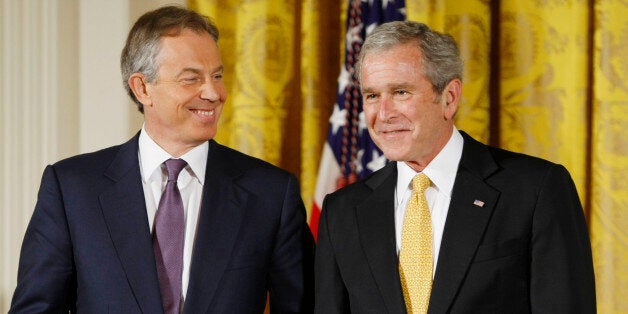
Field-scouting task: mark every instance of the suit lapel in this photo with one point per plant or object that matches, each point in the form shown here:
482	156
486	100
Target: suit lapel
471	206
124	210
376	227
222	212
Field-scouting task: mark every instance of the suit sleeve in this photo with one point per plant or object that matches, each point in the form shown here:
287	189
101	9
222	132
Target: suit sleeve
46	277
291	282
330	291
561	271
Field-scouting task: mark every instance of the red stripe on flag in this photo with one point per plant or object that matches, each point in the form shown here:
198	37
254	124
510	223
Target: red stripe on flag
316	214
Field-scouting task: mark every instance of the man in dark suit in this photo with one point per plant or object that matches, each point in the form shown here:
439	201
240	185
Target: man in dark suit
92	244
505	232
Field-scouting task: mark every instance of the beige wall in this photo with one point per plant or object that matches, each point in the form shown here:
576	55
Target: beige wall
60	95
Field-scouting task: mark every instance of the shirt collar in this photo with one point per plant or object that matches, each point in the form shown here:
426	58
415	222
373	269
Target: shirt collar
151	157
441	170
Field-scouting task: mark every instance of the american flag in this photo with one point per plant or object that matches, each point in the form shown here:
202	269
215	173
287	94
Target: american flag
349	153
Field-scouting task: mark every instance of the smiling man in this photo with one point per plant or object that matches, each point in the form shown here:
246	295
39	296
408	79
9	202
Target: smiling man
450	225
170	221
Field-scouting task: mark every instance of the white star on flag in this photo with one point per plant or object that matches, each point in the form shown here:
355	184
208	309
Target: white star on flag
377	162
338	119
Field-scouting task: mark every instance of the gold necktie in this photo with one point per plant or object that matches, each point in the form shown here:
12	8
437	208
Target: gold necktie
415	256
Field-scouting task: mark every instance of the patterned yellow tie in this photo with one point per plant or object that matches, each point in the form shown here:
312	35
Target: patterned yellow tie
415	256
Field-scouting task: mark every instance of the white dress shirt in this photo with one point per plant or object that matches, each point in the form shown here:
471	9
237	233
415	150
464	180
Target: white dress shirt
442	172
190	183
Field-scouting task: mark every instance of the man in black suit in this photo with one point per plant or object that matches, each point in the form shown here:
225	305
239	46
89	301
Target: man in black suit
92	246
508	234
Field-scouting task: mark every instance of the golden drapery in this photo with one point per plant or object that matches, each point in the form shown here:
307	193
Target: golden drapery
543	77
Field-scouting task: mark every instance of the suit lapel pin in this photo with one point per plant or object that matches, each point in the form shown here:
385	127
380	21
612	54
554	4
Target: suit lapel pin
478	203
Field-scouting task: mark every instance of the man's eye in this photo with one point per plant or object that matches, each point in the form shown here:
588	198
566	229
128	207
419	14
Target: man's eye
190	80
402	94
370	96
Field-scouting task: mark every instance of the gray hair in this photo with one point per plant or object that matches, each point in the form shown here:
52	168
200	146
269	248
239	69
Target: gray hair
142	45
440	56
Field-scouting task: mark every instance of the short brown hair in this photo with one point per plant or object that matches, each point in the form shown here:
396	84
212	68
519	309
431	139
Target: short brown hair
440	56
142	45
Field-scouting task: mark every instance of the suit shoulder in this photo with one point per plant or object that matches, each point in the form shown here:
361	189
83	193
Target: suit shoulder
500	164
356	188
97	160
475	152
508	159
517	168
247	163
357	192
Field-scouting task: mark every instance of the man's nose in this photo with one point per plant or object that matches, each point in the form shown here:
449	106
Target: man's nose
386	108
211	90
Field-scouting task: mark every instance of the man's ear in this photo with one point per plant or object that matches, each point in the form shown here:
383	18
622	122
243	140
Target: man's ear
452	94
137	83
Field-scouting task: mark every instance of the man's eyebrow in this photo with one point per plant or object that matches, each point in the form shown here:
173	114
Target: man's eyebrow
218	69
394	86
198	71
399	86
188	70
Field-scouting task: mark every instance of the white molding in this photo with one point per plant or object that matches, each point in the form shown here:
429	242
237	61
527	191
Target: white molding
29	129
104	107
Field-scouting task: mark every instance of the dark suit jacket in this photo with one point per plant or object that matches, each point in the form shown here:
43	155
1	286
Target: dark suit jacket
525	250
88	246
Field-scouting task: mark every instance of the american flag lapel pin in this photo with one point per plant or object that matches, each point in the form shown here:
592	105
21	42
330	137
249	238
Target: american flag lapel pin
478	203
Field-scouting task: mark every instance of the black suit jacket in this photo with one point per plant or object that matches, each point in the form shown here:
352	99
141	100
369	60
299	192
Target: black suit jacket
88	246
525	250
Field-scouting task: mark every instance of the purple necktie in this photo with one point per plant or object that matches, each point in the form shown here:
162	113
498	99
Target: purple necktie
168	239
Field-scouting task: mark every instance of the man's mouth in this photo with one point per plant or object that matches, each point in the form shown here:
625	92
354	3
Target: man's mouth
391	131
204	112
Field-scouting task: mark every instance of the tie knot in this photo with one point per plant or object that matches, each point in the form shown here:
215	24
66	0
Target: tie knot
420	182
174	167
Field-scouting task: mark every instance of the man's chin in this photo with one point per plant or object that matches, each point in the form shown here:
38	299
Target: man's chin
394	156
395	152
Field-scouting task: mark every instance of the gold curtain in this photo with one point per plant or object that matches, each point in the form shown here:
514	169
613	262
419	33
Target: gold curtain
542	77
608	154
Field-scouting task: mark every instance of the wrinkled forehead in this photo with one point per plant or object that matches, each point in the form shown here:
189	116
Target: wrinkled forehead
408	53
